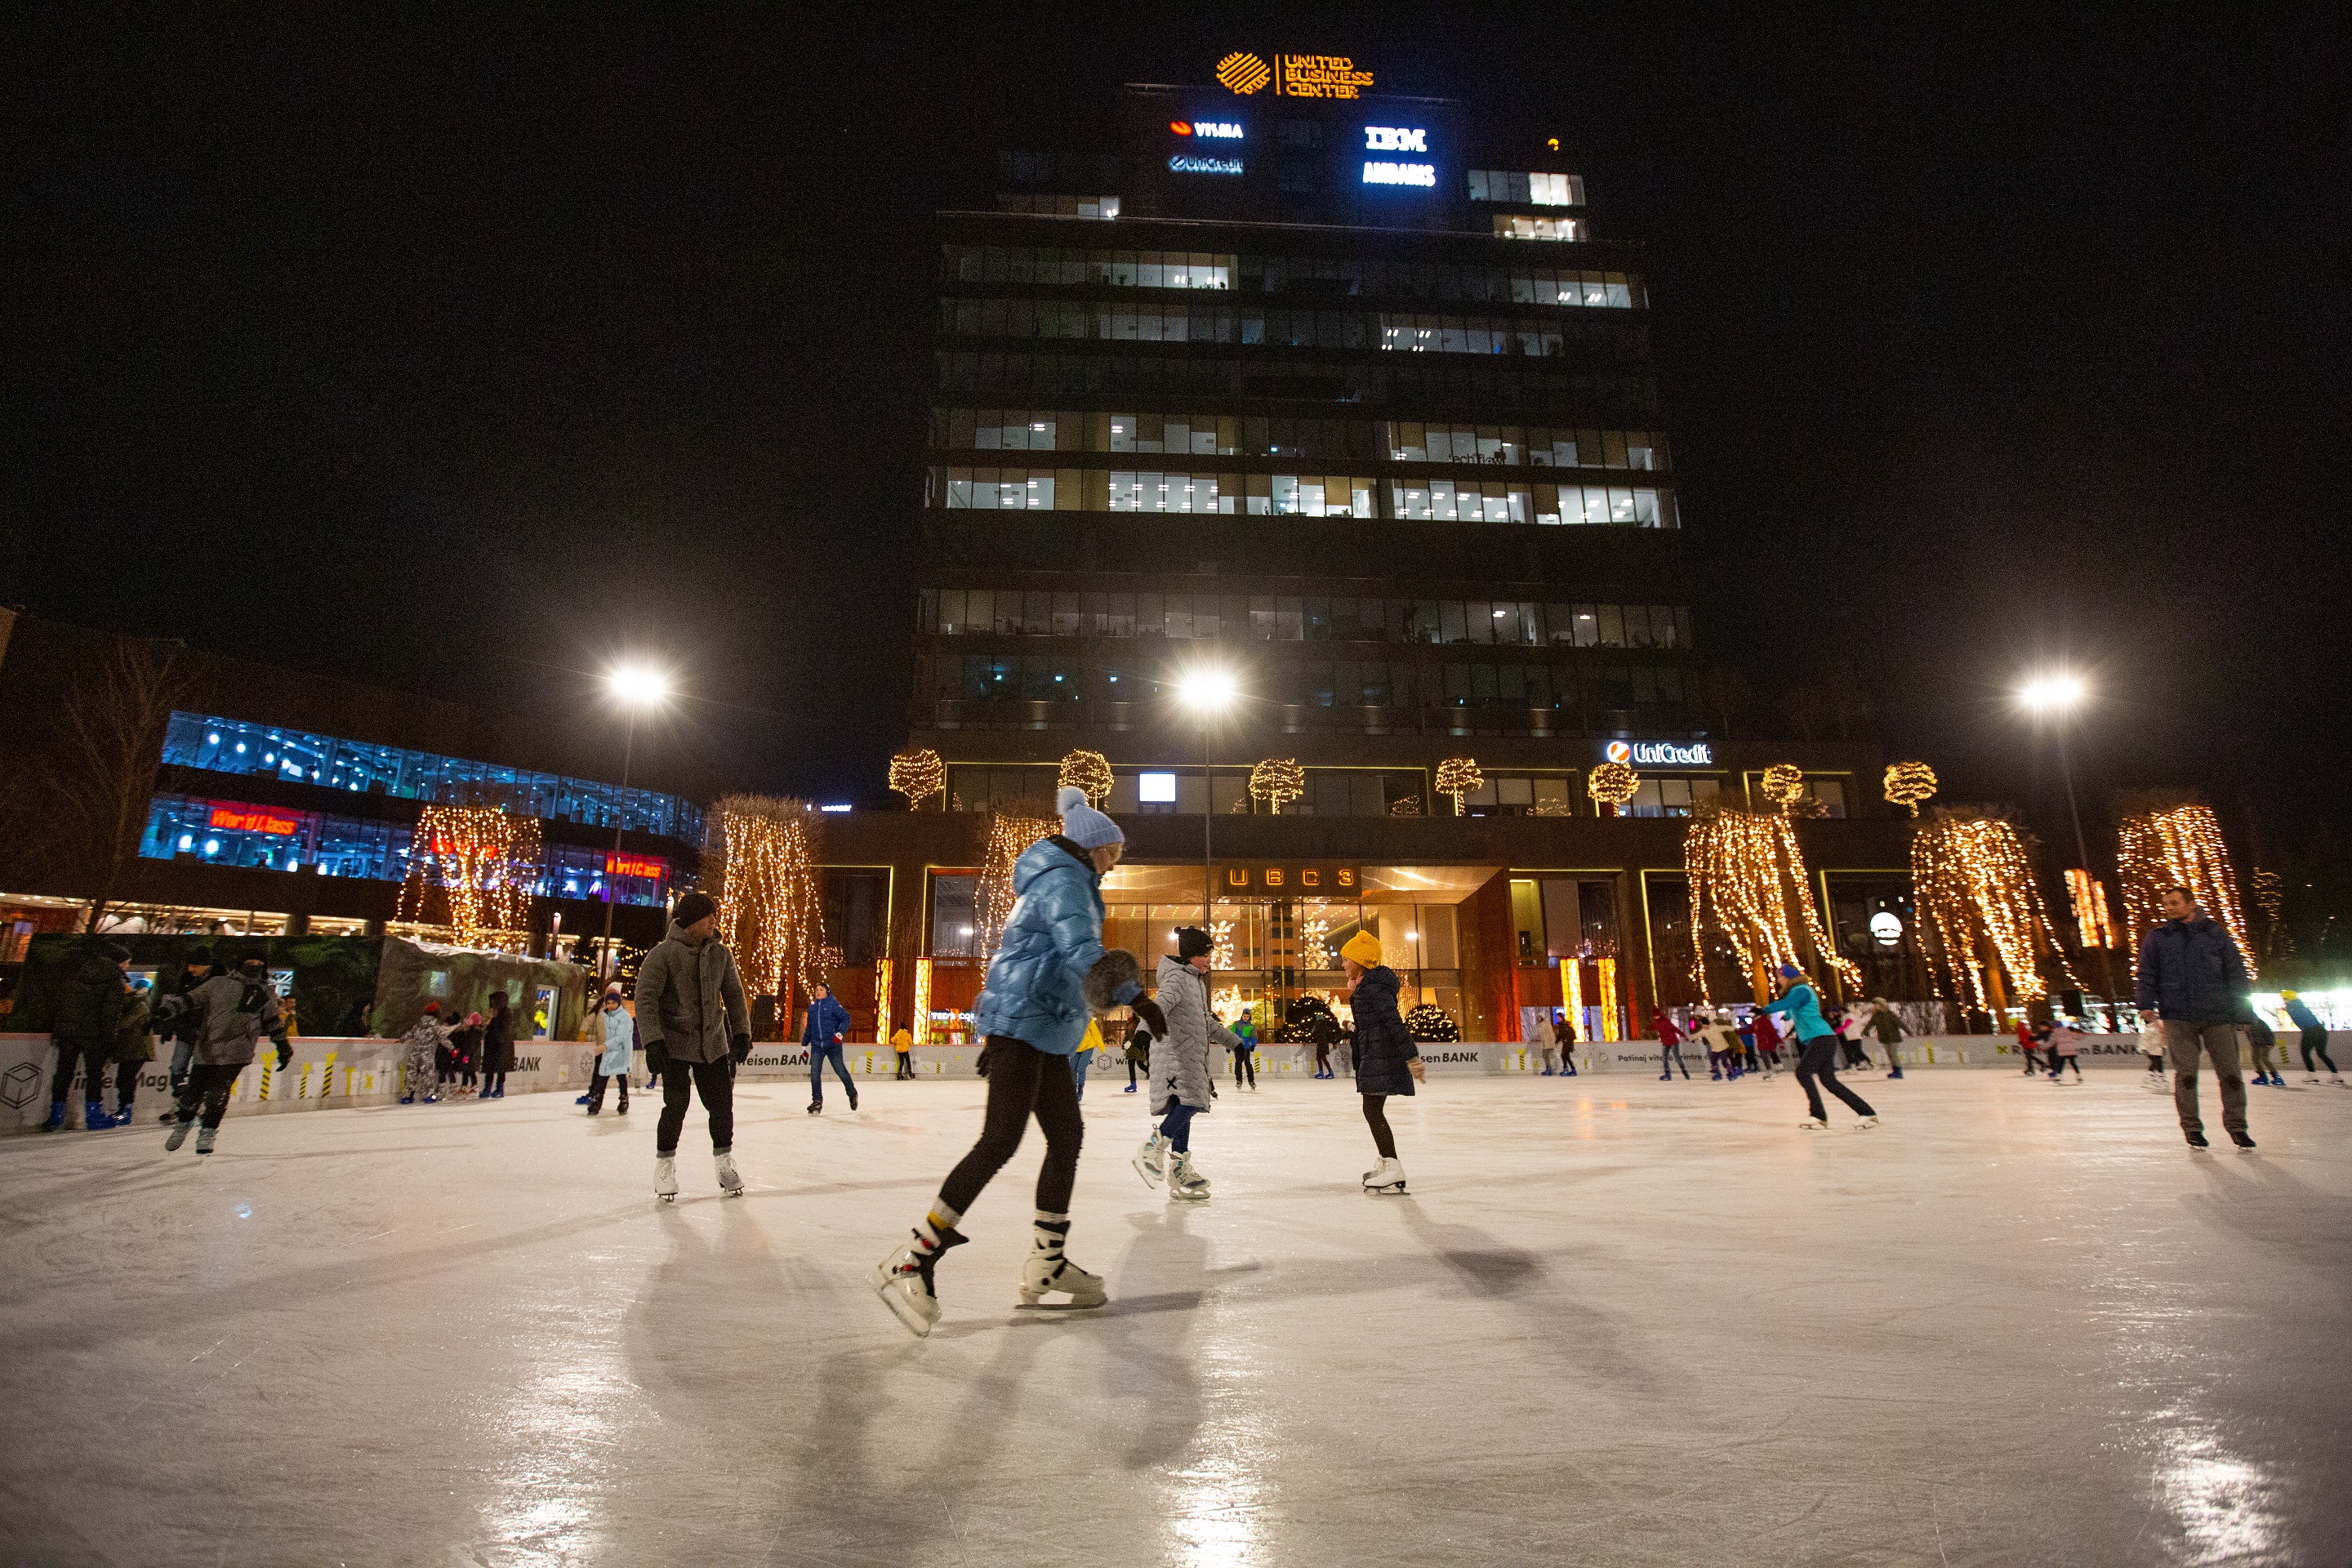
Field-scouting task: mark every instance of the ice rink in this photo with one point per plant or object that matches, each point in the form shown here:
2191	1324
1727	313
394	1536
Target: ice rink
1617	1321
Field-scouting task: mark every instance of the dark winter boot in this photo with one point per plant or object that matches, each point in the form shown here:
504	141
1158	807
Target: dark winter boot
94	1116
57	1116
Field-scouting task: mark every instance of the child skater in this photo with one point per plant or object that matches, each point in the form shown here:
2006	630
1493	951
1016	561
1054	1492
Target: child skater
1179	1066
1050	976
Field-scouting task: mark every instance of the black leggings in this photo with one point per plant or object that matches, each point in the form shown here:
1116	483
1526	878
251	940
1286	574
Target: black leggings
1245	1061
1376	1119
1322	1057
2316	1040
2058	1066
1819	1060
208	1085
493	1082
715	1081
1022	1081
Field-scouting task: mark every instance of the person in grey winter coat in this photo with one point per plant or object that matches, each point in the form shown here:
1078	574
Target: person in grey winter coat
83	1033
696	1029
1387	1061
1181	1075
236	1011
2193	975
1050	977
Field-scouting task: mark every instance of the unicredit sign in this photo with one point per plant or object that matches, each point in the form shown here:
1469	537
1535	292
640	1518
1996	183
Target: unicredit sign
1659	754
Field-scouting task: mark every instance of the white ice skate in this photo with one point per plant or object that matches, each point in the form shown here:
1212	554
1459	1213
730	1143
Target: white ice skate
1813	1124
666	1177
904	1282
1044	1274
731	1183
1866	1123
1387	1177
1186	1183
1150	1160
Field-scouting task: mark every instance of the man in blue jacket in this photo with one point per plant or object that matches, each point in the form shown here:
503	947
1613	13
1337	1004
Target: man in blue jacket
1050	974
2194	978
828	1026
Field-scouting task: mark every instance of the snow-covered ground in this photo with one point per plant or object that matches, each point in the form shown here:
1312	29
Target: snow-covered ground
1616	1321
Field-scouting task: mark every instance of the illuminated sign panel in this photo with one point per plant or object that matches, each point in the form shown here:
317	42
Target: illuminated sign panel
1397	138
636	866
1659	754
1294	76
1215	129
1386	173
254	819
1190	163
1394	139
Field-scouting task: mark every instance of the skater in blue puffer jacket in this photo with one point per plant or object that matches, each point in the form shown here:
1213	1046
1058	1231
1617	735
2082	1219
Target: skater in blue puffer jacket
1050	975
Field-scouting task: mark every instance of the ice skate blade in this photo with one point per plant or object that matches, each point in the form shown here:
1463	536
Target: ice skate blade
1185	1198
1393	1189
666	1197
1029	1303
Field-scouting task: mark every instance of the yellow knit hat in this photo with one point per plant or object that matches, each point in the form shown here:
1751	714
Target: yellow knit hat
1364	948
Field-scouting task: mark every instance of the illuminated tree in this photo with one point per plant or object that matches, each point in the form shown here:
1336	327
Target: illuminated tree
1458	776
1975	886
1277	780
1613	785
758	867
1746	870
1909	783
484	862
1089	771
1007	837
918	776
1784	785
2179	846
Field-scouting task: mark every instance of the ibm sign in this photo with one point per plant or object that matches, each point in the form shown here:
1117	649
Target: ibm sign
1659	754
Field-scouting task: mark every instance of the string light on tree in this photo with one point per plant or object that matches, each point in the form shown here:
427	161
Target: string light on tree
1977	900
759	866
2093	925
918	776
1276	781
1458	776
1613	785
1746	868
2179	846
484	861
1784	785
1008	836
1089	771
1910	783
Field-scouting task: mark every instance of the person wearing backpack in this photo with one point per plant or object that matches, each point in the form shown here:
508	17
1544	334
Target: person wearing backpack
236	1011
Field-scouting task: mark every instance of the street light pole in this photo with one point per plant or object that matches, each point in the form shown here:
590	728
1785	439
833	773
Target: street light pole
1208	827
620	825
2057	695
635	686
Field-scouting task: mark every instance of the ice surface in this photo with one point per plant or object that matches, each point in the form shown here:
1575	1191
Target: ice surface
1618	1321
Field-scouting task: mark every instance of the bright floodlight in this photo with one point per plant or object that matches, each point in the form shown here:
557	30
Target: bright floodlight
637	685
1206	690
2052	693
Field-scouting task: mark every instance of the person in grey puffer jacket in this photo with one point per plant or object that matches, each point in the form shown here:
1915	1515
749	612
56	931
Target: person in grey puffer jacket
696	1029
236	1010
1180	1066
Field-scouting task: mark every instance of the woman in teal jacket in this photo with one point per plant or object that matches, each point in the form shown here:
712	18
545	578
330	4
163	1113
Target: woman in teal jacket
1817	1050
1050	977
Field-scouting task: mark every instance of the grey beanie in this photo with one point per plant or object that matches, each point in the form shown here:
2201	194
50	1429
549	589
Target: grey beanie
1082	824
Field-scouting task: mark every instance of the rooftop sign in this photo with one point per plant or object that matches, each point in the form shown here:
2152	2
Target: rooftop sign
1294	76
1659	754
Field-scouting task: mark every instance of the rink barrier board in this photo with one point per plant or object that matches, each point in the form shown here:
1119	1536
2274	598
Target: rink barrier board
328	1073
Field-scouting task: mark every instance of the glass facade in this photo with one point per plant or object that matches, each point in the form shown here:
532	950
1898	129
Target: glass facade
270	751
276	838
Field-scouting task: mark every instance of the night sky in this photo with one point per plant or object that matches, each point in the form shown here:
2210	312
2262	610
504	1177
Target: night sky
454	354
